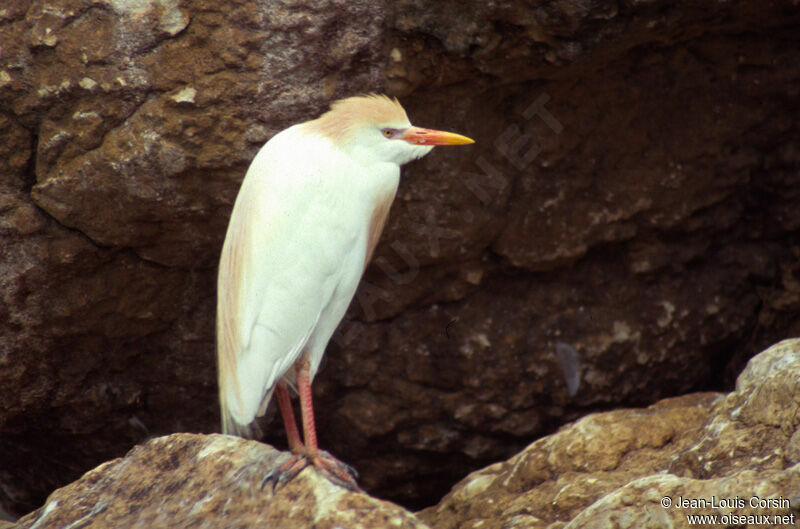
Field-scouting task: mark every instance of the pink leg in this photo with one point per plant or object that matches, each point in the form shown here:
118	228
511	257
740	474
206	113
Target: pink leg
332	468
306	404
289	424
297	461
308	453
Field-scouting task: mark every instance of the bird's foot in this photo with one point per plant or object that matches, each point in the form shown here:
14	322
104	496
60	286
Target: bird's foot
335	471
286	472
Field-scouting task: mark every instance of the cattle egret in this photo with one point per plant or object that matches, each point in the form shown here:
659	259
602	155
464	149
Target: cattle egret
305	223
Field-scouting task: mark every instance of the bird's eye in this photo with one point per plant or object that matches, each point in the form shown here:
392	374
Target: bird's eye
388	132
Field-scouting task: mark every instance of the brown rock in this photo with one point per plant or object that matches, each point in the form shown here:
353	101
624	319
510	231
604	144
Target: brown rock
633	193
617	468
186	480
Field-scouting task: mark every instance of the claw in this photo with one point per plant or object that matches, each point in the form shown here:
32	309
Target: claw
286	472
335	471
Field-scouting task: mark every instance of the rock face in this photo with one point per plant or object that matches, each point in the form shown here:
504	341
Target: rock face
644	468
189	480
632	193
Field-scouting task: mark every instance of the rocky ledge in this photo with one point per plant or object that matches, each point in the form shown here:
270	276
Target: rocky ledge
734	455
632	193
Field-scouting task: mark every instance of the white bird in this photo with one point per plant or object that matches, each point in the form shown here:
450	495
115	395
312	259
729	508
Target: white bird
305	223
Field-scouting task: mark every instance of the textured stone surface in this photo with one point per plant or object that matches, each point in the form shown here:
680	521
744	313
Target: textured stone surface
616	468
155	115
734	451
632	193
189	480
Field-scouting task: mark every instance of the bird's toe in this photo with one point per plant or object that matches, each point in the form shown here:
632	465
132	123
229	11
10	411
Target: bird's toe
336	471
286	471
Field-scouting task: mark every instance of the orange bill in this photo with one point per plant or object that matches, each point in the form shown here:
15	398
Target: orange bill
420	136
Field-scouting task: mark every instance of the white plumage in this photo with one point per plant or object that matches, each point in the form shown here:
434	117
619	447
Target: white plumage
298	224
305	222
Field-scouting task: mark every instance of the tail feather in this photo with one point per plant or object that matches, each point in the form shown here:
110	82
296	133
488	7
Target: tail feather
231	427
251	430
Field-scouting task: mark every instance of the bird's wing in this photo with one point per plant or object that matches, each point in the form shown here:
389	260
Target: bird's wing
288	235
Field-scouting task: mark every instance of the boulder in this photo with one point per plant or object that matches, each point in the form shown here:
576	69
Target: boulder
731	456
704	454
208	481
632	195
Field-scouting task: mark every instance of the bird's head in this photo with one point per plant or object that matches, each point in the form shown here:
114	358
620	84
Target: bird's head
374	128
